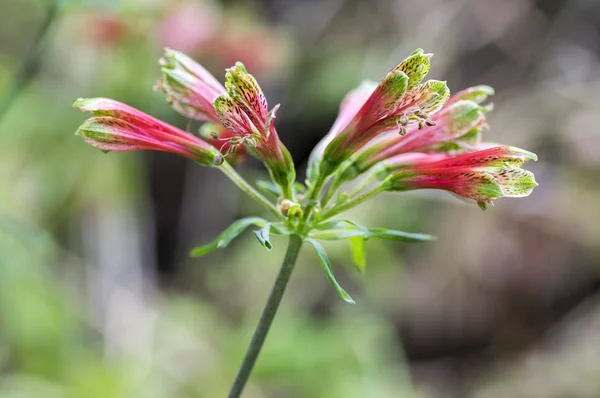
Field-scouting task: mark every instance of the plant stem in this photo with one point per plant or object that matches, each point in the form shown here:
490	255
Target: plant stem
313	197
266	319
247	188
351	203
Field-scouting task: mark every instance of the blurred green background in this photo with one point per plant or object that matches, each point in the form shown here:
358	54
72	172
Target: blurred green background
99	299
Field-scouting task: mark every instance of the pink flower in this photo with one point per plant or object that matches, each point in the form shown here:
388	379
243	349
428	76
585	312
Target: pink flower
190	88
244	111
119	127
482	176
229	144
349	107
398	101
457	128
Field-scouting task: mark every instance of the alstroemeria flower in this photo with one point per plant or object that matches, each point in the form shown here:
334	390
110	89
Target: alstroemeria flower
349	107
190	88
398	101
458	126
244	111
482	176
119	127
228	143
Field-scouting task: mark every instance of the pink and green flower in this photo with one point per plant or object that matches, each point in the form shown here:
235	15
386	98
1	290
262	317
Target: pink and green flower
482	176
399	101
244	111
118	127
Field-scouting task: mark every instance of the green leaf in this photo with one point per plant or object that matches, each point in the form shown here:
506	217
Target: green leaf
357	247
327	268
336	223
236	228
269	187
263	236
338	234
382	233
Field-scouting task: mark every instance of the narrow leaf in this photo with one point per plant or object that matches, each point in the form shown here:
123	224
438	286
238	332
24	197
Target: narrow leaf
359	255
337	223
263	236
328	271
338	234
384	233
227	236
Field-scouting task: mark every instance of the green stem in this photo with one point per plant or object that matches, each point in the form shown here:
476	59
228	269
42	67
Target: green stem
313	197
247	188
351	203
266	319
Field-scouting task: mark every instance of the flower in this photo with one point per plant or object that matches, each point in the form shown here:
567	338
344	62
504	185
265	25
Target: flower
398	101
190	88
458	126
244	111
349	107
482	176
119	127
228	143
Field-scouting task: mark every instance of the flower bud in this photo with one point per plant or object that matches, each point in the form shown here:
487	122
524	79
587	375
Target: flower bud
190	88
119	127
482	176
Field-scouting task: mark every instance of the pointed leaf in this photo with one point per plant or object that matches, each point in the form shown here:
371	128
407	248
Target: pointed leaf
327	268
357	247
384	233
227	236
337	223
339	234
263	236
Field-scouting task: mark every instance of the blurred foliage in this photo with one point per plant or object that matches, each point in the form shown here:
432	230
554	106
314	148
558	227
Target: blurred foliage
99	299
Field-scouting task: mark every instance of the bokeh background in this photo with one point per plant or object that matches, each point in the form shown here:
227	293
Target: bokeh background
98	297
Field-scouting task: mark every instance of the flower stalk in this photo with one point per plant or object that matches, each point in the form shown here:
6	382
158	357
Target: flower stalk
267	316
242	184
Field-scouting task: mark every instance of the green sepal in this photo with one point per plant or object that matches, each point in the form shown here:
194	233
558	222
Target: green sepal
263	236
236	228
328	271
359	255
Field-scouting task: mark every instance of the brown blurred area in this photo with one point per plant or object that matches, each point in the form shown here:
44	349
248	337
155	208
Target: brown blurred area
98	297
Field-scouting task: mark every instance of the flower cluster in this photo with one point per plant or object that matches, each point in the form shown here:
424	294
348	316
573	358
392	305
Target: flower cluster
401	134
